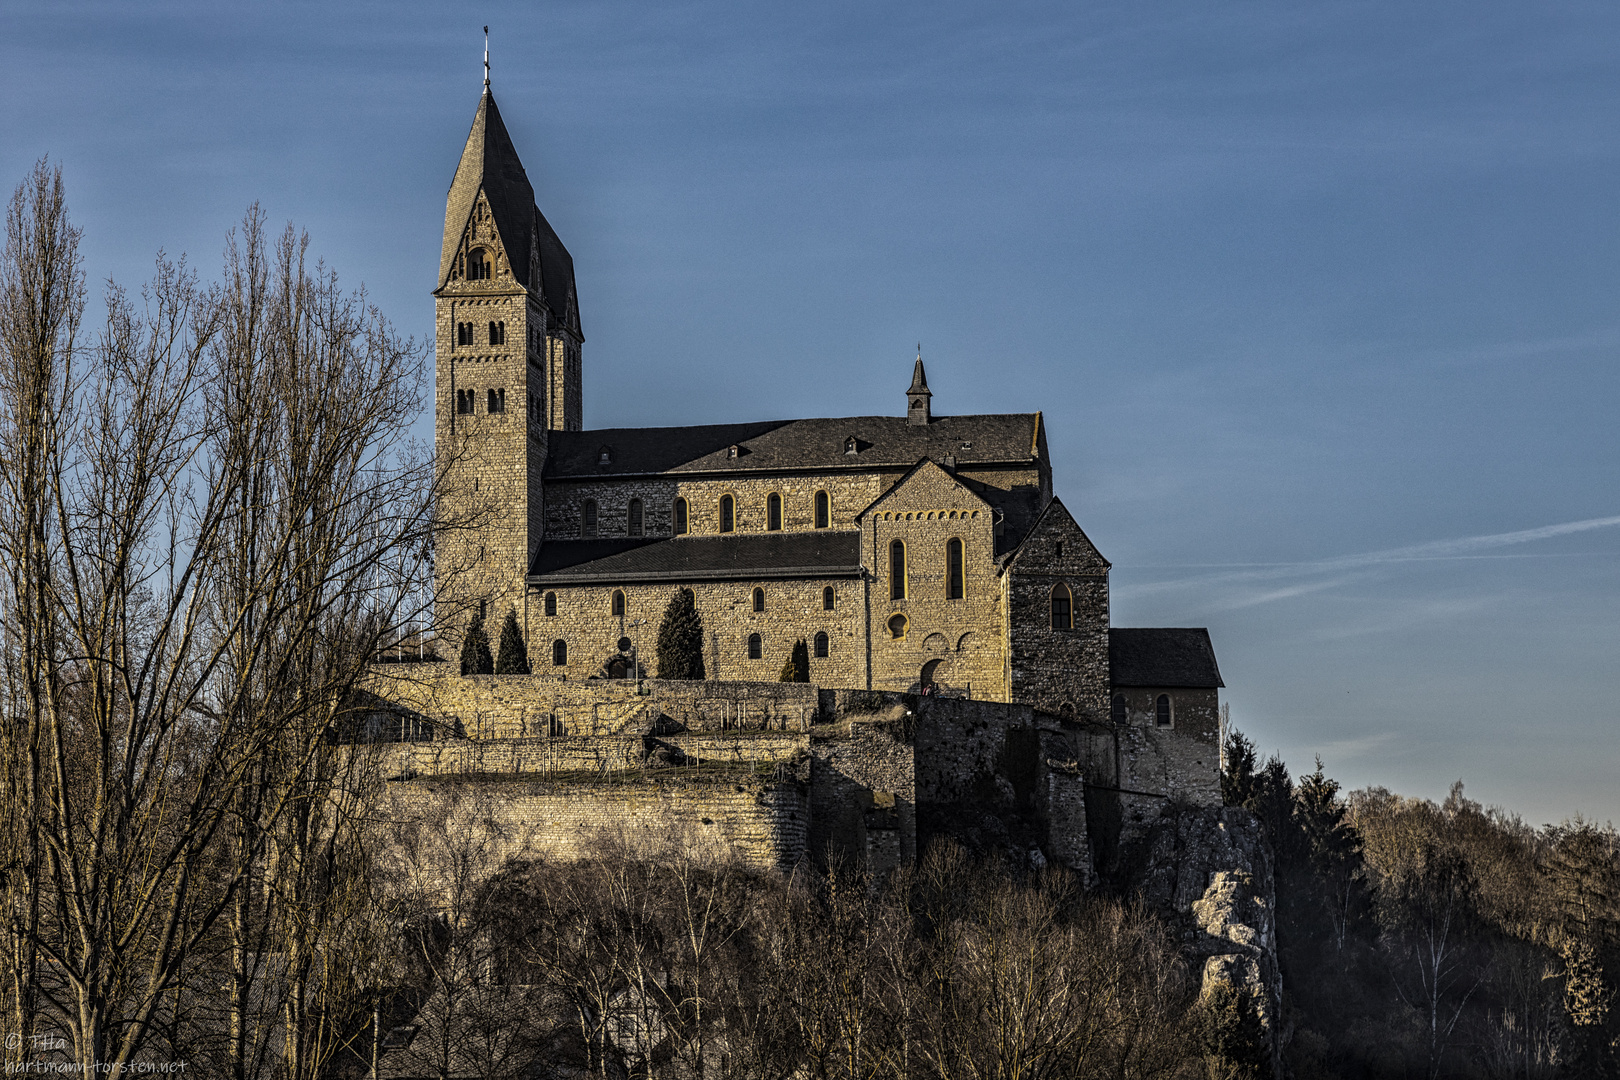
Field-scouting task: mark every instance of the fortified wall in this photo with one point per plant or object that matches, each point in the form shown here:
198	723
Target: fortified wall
777	772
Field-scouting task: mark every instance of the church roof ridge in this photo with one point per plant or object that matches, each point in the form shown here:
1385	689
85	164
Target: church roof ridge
813	443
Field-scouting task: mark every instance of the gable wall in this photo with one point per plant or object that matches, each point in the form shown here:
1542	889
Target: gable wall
961	634
1059	670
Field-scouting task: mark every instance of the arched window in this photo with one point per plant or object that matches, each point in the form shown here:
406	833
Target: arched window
559	652
588	518
1062	608
635	517
465	401
728	513
821	646
618	601
823	510
1117	713
497	333
756	648
691	598
828	598
680	517
953	569
478	265
1161	710
773	512
897	570
551	603
464	333
497	401
897	626
759	599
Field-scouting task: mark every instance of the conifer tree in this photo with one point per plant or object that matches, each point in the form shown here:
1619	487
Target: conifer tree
513	658
797	668
680	639
475	657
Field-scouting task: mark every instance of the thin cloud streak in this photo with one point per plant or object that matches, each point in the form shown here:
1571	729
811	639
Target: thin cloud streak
1459	547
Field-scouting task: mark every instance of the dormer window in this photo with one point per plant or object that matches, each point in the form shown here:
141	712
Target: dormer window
604	456
851	446
733	451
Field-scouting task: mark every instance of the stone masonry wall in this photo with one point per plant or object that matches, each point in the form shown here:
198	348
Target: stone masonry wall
863	798
849	493
793	611
518	706
956	641
760	819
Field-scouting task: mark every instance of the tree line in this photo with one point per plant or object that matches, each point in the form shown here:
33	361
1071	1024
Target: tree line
1436	940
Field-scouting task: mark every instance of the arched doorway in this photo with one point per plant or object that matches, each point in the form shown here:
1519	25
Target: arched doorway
926	681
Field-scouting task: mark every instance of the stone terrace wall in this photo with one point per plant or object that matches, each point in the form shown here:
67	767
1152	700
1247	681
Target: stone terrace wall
519	706
863	792
439	820
576	754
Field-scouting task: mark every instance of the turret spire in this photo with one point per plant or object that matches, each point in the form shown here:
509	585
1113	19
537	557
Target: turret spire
486	58
917	397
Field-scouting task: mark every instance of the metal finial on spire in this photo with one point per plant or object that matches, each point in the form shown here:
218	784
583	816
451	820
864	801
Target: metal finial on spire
486	58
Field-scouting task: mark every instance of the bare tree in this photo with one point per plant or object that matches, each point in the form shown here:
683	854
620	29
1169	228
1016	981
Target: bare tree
215	523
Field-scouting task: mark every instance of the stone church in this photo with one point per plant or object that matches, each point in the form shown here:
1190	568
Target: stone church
908	551
955	614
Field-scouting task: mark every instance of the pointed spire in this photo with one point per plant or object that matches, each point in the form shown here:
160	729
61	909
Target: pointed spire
917	397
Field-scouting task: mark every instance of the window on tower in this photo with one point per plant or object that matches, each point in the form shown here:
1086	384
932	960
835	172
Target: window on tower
497	333
497	401
464	401
464	333
953	569
478	265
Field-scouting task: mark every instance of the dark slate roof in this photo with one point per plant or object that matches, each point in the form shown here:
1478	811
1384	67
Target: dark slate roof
793	444
699	558
490	162
1162	656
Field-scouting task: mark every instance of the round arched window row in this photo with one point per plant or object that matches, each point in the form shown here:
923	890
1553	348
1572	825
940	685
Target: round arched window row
559	652
756	648
773	512
680	517
728	513
551	603
823	510
822	646
759	599
618	602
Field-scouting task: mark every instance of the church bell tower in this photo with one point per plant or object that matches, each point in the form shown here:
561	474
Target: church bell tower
507	372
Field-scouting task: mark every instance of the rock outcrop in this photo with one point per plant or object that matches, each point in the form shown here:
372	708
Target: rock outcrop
1208	872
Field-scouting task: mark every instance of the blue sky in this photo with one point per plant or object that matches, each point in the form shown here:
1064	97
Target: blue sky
1319	300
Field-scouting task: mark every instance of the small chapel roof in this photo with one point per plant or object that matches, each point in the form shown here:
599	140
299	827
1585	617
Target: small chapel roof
773	445
1168	656
823	553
